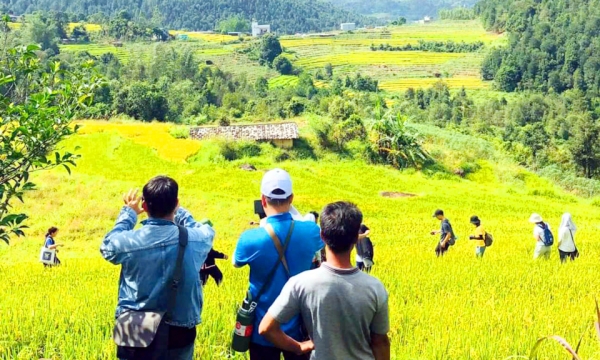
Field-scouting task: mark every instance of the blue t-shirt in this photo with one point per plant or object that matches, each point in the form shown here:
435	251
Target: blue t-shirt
49	242
256	249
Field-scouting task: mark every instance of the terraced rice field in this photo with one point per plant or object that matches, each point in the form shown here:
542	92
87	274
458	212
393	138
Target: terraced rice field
453	83
122	53
283	81
467	31
208	37
457	307
413	58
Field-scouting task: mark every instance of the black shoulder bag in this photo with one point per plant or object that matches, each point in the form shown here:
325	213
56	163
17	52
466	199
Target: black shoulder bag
144	335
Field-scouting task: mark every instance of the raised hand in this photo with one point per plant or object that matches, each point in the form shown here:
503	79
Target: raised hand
133	201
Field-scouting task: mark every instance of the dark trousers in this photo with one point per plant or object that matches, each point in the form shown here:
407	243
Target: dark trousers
259	352
56	263
441	250
564	256
213	272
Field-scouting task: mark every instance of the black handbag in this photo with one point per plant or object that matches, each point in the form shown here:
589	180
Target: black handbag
144	335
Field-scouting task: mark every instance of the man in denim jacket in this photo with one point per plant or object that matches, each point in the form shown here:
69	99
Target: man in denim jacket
148	257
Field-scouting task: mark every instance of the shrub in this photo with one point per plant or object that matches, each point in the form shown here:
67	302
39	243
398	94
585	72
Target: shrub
235	150
283	65
180	132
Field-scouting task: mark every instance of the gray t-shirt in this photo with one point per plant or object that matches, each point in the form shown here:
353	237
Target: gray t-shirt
340	309
446	229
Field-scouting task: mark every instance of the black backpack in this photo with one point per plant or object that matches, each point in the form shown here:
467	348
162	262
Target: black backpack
366	248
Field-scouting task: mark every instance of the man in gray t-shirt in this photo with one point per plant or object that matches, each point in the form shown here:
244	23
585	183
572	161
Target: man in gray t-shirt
345	311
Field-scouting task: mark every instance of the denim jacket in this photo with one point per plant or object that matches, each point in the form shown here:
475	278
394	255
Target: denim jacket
147	257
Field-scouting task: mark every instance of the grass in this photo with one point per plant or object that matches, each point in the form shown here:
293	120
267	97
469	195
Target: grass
457	307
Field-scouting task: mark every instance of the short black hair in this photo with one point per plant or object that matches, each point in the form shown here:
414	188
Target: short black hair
278	202
340	223
316	215
160	195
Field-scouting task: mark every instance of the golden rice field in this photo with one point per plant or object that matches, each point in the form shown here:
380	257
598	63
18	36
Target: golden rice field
390	58
88	27
453	83
283	81
204	36
467	31
457	307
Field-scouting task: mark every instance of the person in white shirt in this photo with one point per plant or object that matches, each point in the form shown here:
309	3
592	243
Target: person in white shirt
544	242
566	239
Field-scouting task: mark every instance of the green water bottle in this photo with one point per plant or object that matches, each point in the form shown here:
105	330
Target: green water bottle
206	222
244	325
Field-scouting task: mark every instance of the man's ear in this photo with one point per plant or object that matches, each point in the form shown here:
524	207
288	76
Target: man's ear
263	201
145	207
291	199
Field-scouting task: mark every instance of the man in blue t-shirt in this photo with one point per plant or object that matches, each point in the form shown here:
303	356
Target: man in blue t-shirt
256	249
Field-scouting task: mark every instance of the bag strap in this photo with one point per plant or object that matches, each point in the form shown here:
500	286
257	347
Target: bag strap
278	246
178	273
573	239
279	261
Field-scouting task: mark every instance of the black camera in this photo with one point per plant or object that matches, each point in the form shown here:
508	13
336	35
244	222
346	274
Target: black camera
259	210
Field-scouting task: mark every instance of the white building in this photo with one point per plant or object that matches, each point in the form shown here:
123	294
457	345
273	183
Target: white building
260	30
426	19
348	26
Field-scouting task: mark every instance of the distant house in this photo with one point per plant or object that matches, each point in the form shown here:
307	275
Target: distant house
280	134
14	18
260	30
348	26
426	19
183	37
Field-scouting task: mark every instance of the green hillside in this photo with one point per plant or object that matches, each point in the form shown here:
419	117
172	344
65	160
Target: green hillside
285	16
436	304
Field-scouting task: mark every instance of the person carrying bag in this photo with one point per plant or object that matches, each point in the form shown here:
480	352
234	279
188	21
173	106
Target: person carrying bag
144	335
246	314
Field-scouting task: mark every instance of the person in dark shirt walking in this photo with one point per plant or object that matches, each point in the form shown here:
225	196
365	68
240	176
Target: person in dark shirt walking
210	268
446	233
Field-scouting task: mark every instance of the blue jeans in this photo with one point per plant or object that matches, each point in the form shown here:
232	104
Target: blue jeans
479	251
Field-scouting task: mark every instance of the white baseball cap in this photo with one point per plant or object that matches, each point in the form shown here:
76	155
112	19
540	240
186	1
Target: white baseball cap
276	179
535	218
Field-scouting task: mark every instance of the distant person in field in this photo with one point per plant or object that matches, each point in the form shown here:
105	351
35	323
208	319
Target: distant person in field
319	255
566	239
50	243
543	237
148	258
210	268
364	250
345	311
447	237
256	248
478	236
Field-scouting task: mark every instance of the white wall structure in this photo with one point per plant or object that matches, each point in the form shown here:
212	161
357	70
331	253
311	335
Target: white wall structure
260	30
348	26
